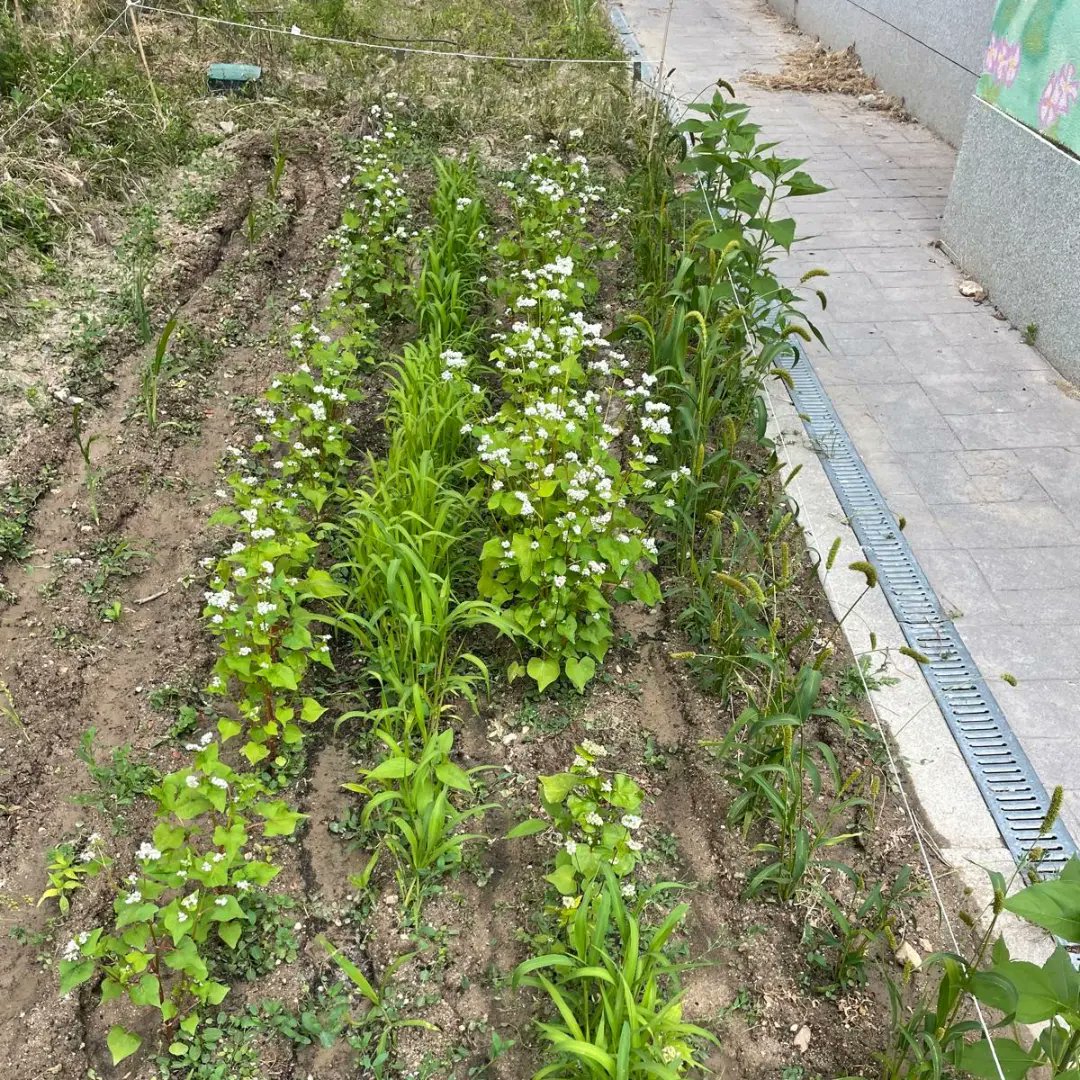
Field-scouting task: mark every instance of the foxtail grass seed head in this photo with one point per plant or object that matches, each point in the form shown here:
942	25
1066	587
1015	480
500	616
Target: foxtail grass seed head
868	571
966	918
834	550
918	657
1052	811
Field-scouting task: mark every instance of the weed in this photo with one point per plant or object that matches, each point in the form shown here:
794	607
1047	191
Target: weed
862	677
1030	334
269	941
91	475
114	558
838	945
614	1016
68	865
120	780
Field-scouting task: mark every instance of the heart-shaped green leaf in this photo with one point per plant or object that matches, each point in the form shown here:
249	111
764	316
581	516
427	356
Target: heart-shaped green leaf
544	671
122	1043
579	670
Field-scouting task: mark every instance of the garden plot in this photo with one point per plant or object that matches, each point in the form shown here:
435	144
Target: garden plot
465	700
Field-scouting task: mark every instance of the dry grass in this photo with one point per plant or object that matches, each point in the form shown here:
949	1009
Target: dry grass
812	68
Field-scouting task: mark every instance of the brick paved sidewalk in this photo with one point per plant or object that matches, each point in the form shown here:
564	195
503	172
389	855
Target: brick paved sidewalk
969	433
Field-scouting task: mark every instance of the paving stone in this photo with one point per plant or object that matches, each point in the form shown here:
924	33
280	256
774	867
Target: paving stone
1034	522
1029	567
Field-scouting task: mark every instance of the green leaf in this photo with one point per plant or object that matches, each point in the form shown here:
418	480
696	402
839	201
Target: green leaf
556	787
393	768
73	973
122	1043
355	975
579	670
1054	905
564	879
178	1049
544	671
229	932
782	231
279	819
1014	1060
185	957
255	752
453	776
228	728
321	585
147	991
530	827
311	710
281	676
646	588
226	912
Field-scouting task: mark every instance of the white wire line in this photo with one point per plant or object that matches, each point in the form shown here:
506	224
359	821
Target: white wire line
808	531
67	71
448	54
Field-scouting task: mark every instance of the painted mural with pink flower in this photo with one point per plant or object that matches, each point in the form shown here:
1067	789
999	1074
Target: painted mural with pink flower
1031	69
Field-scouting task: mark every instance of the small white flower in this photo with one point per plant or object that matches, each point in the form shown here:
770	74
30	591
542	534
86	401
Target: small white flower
570	846
221	901
631	821
219	782
594	818
147	851
133	897
192	781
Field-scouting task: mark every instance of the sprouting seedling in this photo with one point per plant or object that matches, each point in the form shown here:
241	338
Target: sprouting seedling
151	378
8	710
84	442
280	161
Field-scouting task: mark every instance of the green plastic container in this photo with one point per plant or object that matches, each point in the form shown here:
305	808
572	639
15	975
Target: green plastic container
233	78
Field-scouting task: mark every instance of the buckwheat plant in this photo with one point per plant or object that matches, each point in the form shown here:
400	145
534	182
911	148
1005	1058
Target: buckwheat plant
258	603
191	881
560	492
377	232
596	814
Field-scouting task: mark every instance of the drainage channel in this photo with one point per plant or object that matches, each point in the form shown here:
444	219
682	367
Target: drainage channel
1013	792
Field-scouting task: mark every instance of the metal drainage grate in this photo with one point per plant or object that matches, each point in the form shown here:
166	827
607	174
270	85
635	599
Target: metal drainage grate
1013	792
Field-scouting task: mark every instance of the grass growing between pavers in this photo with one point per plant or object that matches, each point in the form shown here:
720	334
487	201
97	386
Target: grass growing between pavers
498	725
